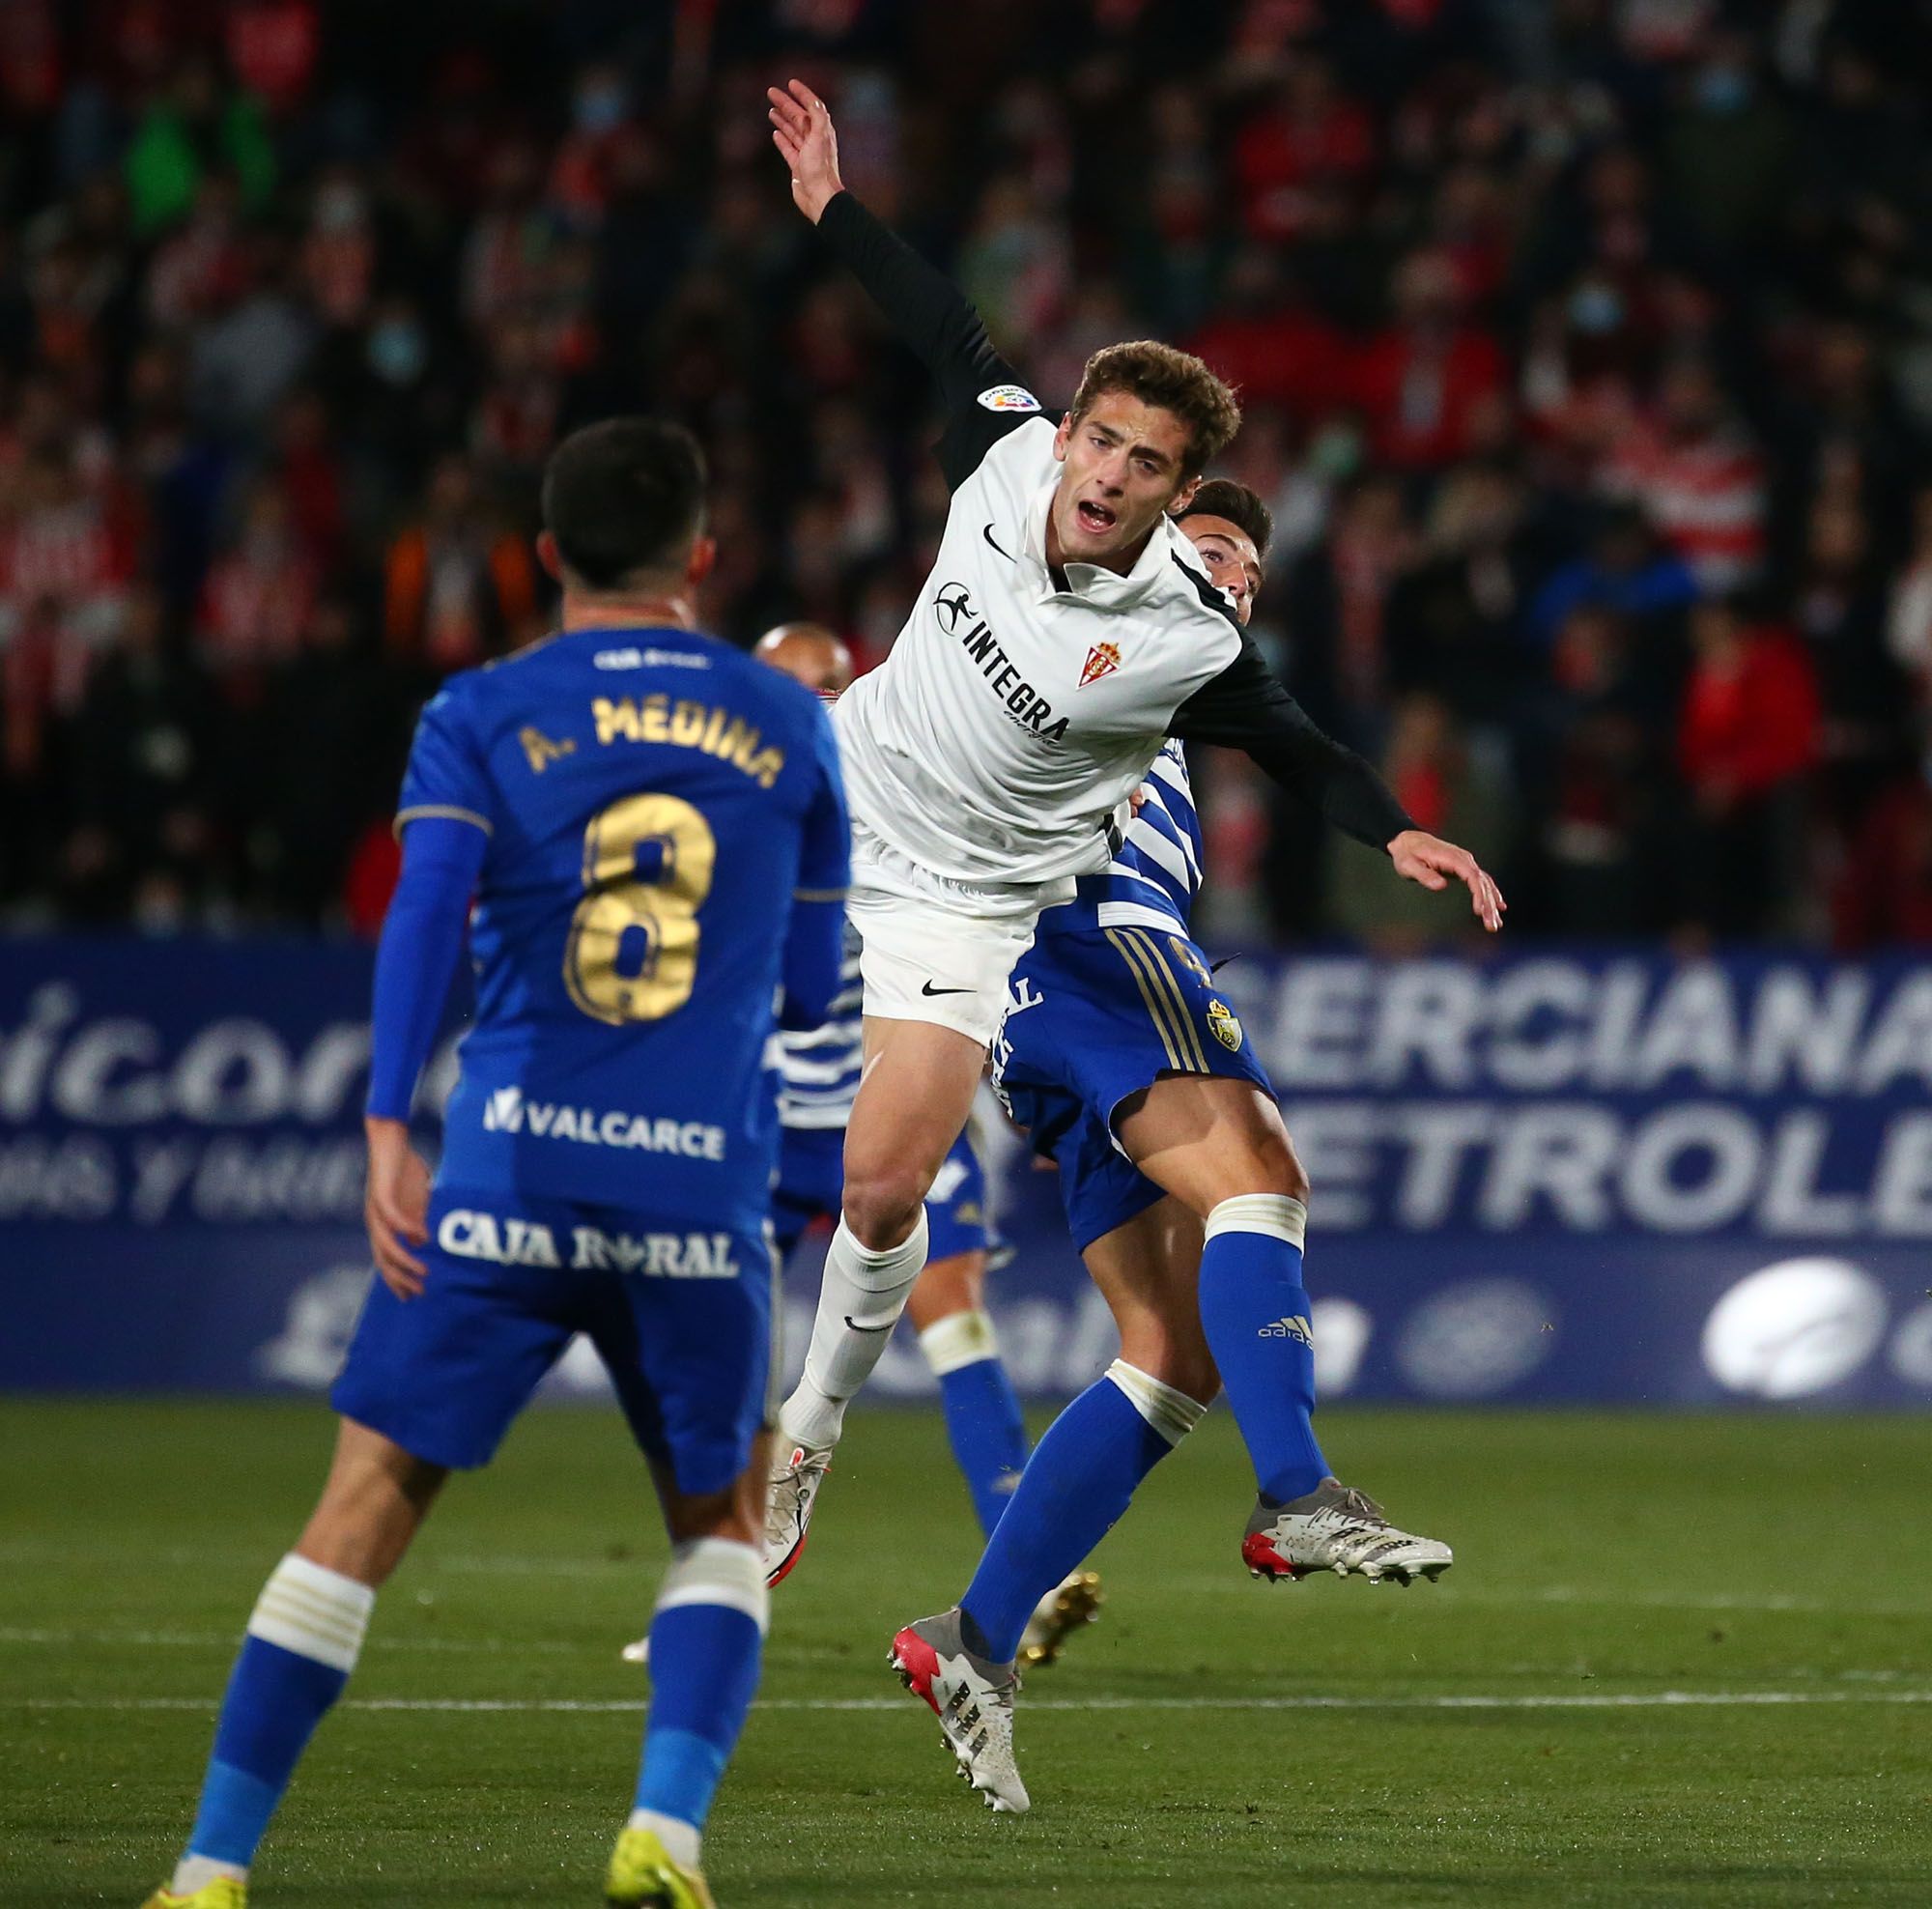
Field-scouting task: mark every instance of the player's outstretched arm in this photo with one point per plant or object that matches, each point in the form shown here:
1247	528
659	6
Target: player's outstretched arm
1427	859
1246	707
927	310
802	131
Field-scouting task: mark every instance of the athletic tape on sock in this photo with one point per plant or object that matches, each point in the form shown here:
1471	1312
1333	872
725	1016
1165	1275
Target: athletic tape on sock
960	1339
1171	1412
1278	1216
314	1611
718	1571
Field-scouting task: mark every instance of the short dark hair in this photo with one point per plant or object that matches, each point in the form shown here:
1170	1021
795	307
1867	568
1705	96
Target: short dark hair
1170	379
623	498
1243	508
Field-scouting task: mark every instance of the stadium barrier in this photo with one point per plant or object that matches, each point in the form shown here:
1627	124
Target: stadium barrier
1561	1176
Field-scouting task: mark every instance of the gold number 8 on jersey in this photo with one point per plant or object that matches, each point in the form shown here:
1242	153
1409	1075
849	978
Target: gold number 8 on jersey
633	949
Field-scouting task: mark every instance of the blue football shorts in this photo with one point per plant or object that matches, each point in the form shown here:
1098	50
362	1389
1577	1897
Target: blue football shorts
1095	1016
811	1185
680	1313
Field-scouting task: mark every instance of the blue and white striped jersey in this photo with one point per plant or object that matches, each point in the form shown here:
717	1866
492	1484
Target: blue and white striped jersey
1153	878
818	1073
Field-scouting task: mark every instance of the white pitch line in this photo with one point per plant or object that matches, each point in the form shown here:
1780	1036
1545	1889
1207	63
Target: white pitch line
1473	1593
600	1706
228	1639
1774	1602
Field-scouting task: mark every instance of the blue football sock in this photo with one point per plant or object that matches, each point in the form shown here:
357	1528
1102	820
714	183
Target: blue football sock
982	1411
707	1640
303	1642
1081	1476
1254	1309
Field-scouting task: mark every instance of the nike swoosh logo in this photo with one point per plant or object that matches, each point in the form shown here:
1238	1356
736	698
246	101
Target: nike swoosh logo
856	1328
928	988
987	533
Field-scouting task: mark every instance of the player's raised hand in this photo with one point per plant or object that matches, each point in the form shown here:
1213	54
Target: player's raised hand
802	132
1435	862
396	1207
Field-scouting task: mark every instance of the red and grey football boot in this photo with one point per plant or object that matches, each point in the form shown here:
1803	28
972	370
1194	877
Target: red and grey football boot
1337	1529
972	1699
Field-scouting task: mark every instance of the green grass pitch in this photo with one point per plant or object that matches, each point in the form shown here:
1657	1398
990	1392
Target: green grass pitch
1680	1660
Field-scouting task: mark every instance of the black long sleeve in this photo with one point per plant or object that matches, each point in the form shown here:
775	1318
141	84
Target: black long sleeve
1245	707
938	321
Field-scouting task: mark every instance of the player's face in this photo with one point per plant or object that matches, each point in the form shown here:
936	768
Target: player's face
1124	466
1231	557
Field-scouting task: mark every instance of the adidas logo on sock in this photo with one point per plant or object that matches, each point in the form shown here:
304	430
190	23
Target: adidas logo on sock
1295	1327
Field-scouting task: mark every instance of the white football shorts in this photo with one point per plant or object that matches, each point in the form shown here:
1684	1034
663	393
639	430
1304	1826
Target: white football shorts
932	949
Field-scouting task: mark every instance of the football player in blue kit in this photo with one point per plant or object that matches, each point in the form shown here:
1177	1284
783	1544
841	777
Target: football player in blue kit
1115	1001
653	828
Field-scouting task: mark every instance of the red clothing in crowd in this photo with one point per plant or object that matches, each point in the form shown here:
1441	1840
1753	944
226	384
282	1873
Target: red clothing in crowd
1290	358
1751	723
1422	391
66	566
1886	892
1705	494
1282	152
272	46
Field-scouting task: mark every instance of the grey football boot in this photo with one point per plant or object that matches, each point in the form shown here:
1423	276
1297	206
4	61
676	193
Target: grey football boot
973	1698
1337	1529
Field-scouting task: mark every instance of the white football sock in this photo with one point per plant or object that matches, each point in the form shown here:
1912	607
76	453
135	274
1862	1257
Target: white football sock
193	1872
860	1301
681	1839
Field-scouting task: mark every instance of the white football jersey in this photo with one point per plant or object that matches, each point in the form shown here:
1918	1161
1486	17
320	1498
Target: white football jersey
1013	716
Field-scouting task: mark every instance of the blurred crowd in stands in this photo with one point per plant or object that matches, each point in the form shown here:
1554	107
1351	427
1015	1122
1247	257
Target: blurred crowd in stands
1585	347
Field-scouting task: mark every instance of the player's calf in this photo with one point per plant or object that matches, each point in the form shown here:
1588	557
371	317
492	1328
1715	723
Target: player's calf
860	1300
302	1640
706	1644
984	1423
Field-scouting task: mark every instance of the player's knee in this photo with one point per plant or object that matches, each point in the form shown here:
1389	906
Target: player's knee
734	1516
1277	1168
1169	1408
1191	1370
1175	1355
375	1500
947	1289
882	1205
364	1541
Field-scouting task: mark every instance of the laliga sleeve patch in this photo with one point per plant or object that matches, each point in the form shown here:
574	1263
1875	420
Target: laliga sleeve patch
1008	397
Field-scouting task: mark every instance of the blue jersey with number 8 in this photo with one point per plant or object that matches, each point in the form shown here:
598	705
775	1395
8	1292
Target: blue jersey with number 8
653	800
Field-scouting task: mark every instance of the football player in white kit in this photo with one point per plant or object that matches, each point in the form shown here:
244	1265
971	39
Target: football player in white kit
1068	628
